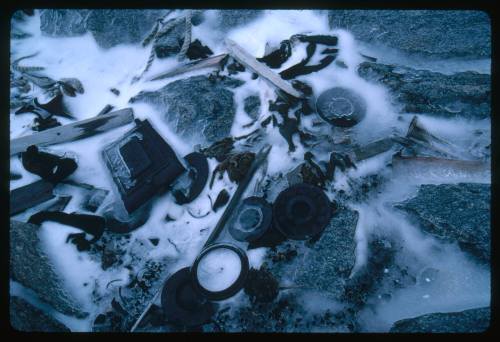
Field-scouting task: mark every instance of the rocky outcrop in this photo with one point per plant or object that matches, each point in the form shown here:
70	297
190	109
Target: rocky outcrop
442	34
108	27
27	318
30	266
455	213
464	94
196	107
468	321
328	264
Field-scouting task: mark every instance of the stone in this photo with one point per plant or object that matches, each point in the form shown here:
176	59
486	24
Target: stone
464	94
27	318
196	107
467	321
251	105
109	27
30	266
171	43
64	22
328	264
441	34
454	213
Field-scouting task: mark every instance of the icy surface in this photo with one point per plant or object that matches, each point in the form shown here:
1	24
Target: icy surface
462	283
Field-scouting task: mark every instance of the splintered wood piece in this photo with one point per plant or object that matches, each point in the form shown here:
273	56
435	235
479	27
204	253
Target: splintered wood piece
191	66
74	131
248	60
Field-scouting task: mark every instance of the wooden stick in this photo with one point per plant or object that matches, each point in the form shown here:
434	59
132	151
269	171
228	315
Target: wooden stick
248	60
74	131
204	63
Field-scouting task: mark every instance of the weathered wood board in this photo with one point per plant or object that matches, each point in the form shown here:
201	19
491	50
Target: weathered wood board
30	195
74	131
191	66
248	60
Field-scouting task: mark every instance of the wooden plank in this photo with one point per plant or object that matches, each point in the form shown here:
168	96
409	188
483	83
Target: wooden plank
373	149
74	131
249	61
196	65
30	195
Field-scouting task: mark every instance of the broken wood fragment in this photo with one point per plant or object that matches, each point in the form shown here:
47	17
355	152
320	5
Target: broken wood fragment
265	72
30	195
74	131
372	149
191	66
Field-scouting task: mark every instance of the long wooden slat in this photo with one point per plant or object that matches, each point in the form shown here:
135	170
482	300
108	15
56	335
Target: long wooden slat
196	65
74	131
248	60
30	195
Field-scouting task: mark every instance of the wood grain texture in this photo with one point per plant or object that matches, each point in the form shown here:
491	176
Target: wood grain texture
249	61
74	131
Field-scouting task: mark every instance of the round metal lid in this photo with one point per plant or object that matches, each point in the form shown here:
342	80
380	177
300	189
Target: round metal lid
341	107
182	304
235	286
253	219
302	211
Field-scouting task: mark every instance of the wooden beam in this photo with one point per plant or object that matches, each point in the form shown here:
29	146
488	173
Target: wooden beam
74	131
191	66
249	61
30	195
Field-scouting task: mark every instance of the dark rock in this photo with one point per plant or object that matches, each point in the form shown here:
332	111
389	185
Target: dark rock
468	321
64	23
171	43
427	32
261	285
196	106
109	27
30	266
197	50
464	94
229	19
455	213
26	317
328	264
251	105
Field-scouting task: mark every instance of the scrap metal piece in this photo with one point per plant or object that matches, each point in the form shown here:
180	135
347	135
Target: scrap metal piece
141	164
341	107
253	220
302	211
74	131
191	66
30	195
264	71
182	304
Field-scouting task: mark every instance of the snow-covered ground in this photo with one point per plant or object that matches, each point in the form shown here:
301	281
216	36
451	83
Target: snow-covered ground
464	283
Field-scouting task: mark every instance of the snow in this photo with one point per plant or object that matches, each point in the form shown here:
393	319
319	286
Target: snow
462	283
219	269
